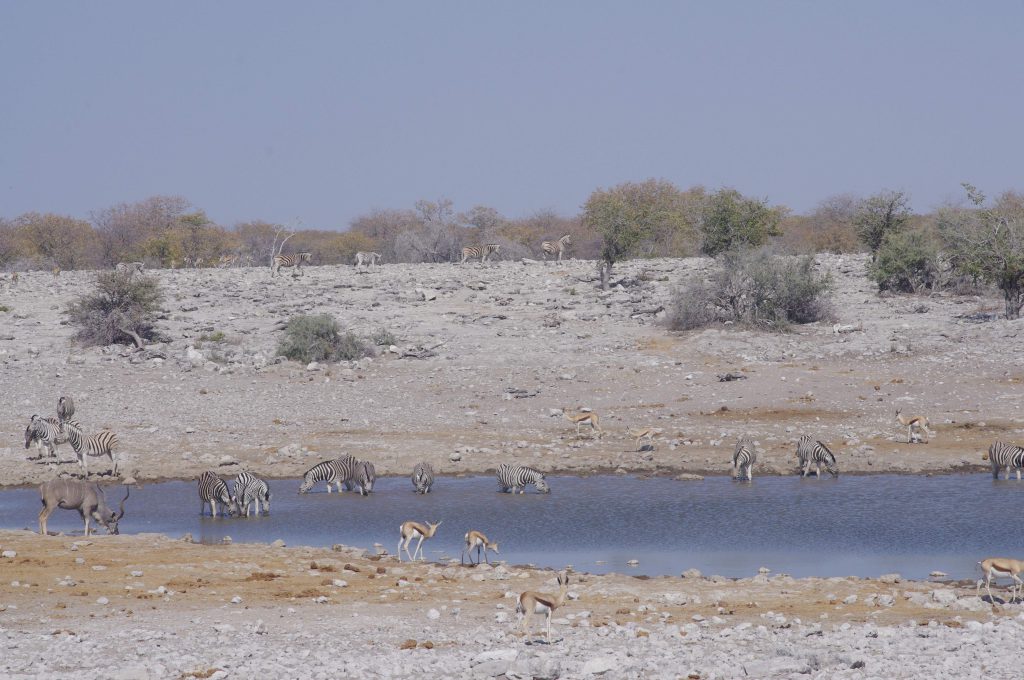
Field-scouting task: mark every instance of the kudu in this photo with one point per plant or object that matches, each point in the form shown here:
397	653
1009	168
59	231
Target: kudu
87	498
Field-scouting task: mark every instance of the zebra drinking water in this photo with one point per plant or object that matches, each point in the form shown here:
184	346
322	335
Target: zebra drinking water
337	471
1006	456
811	452
250	489
363	478
514	478
743	459
213	490
423	477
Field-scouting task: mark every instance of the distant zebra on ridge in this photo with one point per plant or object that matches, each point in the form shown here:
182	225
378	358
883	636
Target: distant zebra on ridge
368	259
250	489
213	490
809	452
129	268
290	261
482	252
556	247
743	459
515	477
1003	455
337	471
423	477
100	444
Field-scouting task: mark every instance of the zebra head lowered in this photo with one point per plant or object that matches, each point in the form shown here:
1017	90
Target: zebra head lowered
87	498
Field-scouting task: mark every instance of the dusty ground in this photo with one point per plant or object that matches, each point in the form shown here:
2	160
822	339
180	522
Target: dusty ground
546	331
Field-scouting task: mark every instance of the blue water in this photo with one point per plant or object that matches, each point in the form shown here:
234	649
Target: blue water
854	525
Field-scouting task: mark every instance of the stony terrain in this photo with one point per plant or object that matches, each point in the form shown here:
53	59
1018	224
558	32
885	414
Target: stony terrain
483	357
148	606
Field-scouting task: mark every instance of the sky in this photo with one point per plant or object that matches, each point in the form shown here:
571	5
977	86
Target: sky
313	113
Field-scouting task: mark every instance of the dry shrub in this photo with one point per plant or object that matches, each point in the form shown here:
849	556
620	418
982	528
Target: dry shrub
318	338
121	310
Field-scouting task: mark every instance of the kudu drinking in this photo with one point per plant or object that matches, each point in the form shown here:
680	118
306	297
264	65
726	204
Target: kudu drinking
86	497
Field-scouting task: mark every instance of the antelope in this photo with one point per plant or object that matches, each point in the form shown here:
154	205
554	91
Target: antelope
531	603
913	423
994	567
646	433
475	539
87	498
584	417
410	530
56	272
14	277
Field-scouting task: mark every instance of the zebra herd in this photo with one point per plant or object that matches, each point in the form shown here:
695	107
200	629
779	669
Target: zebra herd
48	433
809	452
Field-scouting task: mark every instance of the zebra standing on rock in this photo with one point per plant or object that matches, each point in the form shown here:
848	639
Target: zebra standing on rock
290	261
47	433
515	477
337	471
1003	455
213	490
556	247
423	477
363	478
809	452
482	252
100	444
743	459
251	489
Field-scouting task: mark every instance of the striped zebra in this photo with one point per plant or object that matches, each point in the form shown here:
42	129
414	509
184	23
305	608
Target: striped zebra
47	433
423	477
129	268
483	252
363	478
290	261
65	408
337	471
810	451
367	259
743	459
1003	455
213	490
556	247
248	490
515	477
100	444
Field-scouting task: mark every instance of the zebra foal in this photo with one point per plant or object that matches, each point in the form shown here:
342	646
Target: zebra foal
290	261
811	452
250	489
423	477
482	252
514	478
213	490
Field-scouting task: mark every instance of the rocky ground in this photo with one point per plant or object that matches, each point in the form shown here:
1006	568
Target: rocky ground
148	606
483	356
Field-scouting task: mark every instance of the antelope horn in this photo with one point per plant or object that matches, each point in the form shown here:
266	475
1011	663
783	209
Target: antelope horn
128	490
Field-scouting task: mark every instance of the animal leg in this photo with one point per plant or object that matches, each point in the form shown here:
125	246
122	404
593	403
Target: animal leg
988	586
419	549
44	514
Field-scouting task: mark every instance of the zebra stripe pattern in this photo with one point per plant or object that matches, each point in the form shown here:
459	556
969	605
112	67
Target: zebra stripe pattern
423	477
290	261
129	268
337	471
553	247
250	489
364	477
65	408
99	444
213	490
482	252
369	259
47	433
743	459
1007	456
812	452
514	478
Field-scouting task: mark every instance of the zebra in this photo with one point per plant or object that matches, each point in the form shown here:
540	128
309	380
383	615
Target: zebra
483	252
809	452
368	259
1002	455
187	263
553	247
290	261
100	444
515	477
423	477
362	478
227	261
65	408
213	490
337	471
129	268
250	489
743	459
47	433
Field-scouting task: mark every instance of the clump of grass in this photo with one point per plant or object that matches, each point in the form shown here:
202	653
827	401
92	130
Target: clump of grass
216	336
310	337
4	308
383	337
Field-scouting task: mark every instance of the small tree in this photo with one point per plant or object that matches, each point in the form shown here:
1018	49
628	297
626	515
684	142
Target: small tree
906	262
122	310
626	214
881	214
988	243
731	221
318	338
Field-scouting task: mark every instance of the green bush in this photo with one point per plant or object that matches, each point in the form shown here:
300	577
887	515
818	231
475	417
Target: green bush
906	262
121	310
216	336
383	338
318	338
755	288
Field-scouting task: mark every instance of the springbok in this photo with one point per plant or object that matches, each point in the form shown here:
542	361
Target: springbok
410	530
584	417
475	539
646	433
913	423
531	603
994	567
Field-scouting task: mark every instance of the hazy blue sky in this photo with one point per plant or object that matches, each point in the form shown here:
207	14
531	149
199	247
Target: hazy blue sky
324	111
